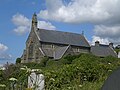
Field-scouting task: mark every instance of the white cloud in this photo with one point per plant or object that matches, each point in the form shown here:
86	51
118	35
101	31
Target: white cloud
79	11
104	14
107	31
101	40
3	54
110	33
3	47
23	24
46	25
21	30
20	20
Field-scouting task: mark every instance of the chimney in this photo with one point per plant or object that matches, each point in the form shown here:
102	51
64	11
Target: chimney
97	43
111	45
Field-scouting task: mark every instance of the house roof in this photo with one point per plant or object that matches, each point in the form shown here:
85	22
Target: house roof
59	52
48	52
103	50
53	36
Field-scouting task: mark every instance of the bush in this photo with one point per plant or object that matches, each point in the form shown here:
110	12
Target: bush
69	59
43	62
18	60
80	72
30	65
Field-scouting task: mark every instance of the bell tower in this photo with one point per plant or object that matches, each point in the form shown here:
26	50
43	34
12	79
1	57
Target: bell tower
34	20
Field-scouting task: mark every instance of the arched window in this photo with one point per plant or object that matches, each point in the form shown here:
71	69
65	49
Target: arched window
30	50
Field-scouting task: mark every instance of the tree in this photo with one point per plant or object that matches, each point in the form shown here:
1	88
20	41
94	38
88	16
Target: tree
18	60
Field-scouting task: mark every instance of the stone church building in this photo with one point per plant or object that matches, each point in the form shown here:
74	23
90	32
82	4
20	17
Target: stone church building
56	44
53	44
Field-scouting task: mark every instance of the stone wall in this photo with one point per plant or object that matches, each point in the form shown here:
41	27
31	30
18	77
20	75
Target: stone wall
73	50
34	47
32	54
76	50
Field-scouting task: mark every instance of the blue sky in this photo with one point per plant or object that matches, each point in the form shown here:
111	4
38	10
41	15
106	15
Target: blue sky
8	37
96	18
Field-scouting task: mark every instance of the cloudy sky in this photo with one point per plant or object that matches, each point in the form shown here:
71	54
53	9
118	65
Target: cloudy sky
99	19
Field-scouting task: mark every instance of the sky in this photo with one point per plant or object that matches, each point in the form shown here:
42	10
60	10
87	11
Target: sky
99	19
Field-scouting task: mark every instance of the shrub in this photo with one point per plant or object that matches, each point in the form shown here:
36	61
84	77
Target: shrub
18	60
69	59
80	72
43	62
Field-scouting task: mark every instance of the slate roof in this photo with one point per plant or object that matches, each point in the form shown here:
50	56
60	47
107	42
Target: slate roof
60	37
60	52
57	54
103	50
48	52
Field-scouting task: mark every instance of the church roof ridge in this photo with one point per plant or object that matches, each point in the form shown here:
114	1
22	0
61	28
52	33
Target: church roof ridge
61	37
60	31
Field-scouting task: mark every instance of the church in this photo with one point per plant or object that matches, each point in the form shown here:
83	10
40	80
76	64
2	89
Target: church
55	44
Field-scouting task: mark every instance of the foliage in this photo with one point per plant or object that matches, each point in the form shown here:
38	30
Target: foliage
43	62
69	58
30	65
81	71
117	50
78	72
18	60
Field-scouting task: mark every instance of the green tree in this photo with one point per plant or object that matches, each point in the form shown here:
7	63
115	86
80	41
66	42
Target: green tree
18	60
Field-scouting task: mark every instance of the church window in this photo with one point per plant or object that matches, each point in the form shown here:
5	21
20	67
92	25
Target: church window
31	50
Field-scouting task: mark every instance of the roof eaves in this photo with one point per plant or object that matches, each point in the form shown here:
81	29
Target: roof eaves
113	51
42	51
86	41
35	30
